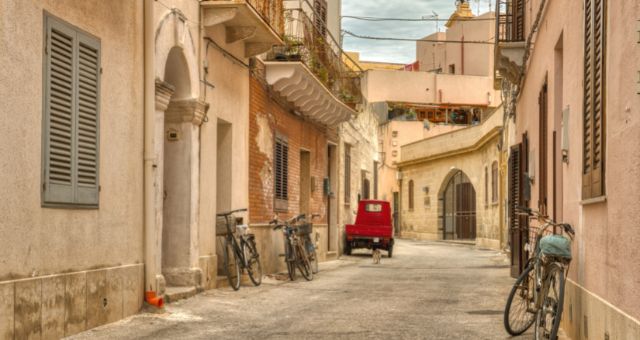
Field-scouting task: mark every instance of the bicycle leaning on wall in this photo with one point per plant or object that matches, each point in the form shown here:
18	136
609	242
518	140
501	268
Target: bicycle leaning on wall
240	252
295	252
538	294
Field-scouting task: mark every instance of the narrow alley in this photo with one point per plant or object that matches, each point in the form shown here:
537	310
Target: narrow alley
428	290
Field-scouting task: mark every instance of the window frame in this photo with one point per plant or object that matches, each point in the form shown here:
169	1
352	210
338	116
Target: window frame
79	195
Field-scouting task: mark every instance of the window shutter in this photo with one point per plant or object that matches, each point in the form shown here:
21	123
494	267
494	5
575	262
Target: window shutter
594	101
71	116
87	138
59	111
281	176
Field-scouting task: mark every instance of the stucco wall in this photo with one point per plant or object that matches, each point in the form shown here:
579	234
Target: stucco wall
40	241
427	87
605	247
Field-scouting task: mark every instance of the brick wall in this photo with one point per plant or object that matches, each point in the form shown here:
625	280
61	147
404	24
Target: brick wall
268	114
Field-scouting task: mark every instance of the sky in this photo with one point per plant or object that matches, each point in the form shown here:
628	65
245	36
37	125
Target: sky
394	51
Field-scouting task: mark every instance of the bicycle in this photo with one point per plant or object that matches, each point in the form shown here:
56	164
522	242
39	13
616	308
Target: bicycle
305	231
539	290
295	252
245	254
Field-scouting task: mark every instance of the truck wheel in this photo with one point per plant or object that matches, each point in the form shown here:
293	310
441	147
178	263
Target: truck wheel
347	249
390	251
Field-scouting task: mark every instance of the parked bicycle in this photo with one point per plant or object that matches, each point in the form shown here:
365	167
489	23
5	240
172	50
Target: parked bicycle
240	252
295	251
538	294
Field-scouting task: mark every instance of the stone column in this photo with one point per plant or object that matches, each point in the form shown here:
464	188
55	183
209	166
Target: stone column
164	91
182	177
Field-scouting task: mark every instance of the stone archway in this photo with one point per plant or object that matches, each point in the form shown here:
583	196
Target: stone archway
457	208
179	115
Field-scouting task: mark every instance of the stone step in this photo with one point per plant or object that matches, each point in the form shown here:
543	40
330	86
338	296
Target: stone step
173	294
331	255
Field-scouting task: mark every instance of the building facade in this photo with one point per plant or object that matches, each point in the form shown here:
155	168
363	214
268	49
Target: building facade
575	106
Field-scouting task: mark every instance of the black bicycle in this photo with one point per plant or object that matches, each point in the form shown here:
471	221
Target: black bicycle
240	252
295	252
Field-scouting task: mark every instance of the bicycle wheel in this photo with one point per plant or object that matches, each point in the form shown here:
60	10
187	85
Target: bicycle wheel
302	262
290	259
549	315
517	317
254	268
231	264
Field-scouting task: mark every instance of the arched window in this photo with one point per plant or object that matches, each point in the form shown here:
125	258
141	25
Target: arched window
486	186
411	195
494	182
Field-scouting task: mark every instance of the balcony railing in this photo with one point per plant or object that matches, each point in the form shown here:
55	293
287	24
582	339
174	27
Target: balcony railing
319	51
510	20
271	11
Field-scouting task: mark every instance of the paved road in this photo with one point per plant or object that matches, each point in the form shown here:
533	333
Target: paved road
428	290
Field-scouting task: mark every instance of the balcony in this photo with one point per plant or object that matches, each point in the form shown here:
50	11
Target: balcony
312	59
510	42
257	23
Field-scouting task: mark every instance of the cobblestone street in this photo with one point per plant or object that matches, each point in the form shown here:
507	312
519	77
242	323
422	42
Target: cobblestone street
428	290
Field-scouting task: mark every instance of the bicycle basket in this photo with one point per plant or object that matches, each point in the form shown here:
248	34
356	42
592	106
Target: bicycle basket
555	245
305	229
221	225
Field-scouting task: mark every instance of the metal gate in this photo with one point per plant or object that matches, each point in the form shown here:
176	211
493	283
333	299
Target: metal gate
459	209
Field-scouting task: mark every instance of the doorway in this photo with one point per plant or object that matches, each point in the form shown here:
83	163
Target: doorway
330	189
459	208
224	171
305	182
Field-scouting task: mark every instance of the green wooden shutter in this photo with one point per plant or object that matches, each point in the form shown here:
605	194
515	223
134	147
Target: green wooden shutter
87	137
58	116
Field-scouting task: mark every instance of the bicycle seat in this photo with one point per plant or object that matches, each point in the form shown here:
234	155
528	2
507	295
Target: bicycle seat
227	213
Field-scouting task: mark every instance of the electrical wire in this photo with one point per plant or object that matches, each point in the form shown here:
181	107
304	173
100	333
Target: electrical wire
366	18
488	42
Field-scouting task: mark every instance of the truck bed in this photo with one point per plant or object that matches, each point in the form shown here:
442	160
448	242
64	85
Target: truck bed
362	230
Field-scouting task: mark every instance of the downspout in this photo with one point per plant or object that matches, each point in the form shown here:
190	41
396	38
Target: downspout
152	293
462	55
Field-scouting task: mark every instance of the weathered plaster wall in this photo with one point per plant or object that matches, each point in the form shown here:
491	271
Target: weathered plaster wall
605	247
99	250
266	117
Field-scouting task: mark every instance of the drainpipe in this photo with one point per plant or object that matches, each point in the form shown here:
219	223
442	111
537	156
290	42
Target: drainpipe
150	231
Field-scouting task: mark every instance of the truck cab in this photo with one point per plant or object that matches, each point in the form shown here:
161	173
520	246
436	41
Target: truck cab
373	228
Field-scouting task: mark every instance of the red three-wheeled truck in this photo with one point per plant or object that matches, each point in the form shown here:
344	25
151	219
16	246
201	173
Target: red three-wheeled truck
373	228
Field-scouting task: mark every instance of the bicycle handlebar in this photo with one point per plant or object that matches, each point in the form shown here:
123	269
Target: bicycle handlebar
533	213
227	213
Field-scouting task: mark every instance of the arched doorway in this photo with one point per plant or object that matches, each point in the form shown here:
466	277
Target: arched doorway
458	208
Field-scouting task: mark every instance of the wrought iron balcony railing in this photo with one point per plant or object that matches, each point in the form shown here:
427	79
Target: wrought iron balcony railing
321	53
510	20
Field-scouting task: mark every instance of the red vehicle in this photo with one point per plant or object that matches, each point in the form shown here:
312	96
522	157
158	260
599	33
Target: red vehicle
373	228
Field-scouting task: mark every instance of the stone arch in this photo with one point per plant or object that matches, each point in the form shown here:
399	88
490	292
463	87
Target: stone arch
457	206
173	36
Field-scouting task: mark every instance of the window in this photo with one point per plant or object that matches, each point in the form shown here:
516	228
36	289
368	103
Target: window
594	116
320	15
366	185
394	134
486	186
411	195
494	182
281	173
373	207
543	147
347	173
452	69
375	180
71	109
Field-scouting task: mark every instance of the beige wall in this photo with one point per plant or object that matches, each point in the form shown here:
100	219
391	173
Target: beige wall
100	251
426	87
432	55
431	162
605	248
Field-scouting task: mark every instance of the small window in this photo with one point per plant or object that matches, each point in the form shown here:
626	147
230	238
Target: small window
494	182
281	173
71	131
347	173
372	207
452	69
411	195
394	134
486	186
394	153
